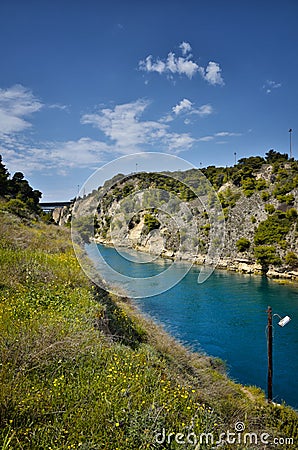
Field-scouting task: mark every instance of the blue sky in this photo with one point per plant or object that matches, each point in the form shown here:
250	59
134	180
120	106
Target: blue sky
85	82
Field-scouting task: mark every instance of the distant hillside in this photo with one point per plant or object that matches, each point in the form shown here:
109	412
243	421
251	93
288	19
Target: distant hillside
259	200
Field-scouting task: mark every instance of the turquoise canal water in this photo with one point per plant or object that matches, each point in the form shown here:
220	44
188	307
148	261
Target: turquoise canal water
224	317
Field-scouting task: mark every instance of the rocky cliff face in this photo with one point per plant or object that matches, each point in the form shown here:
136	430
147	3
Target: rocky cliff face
61	216
173	216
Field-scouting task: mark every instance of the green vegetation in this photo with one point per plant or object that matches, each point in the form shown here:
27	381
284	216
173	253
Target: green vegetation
242	244
82	369
291	259
269	208
229	197
265	195
151	222
266	255
16	195
253	219
254	186
272	230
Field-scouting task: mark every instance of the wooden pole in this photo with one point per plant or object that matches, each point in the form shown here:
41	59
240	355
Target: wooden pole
269	348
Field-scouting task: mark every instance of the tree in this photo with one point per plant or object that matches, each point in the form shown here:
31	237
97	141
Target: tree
4	175
272	156
17	188
255	162
272	230
265	256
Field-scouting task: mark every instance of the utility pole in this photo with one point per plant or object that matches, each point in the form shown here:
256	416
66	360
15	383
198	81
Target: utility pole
235	154
290	131
269	351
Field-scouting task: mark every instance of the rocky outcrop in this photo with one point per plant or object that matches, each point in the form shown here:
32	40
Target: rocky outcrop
172	230
61	216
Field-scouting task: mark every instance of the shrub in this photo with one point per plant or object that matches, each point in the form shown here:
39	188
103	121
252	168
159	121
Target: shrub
265	195
228	198
17	207
288	199
248	185
242	244
269	208
291	259
261	184
151	222
292	214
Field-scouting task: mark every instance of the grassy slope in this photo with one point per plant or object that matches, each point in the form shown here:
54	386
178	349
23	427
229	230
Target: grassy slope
81	369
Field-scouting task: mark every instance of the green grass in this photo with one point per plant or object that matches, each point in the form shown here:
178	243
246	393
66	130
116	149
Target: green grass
82	369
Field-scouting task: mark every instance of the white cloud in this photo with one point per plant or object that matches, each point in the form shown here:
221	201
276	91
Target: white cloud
185	48
42	157
166	119
186	67
147	65
184	105
178	142
269	85
213	74
202	111
129	133
122	125
206	138
16	104
124	132
217	135
226	133
182	66
80	153
59	106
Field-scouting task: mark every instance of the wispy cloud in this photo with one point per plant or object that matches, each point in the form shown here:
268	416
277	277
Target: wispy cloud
59	106
269	85
44	156
226	133
124	127
17	103
206	138
127	132
182	65
202	111
220	134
